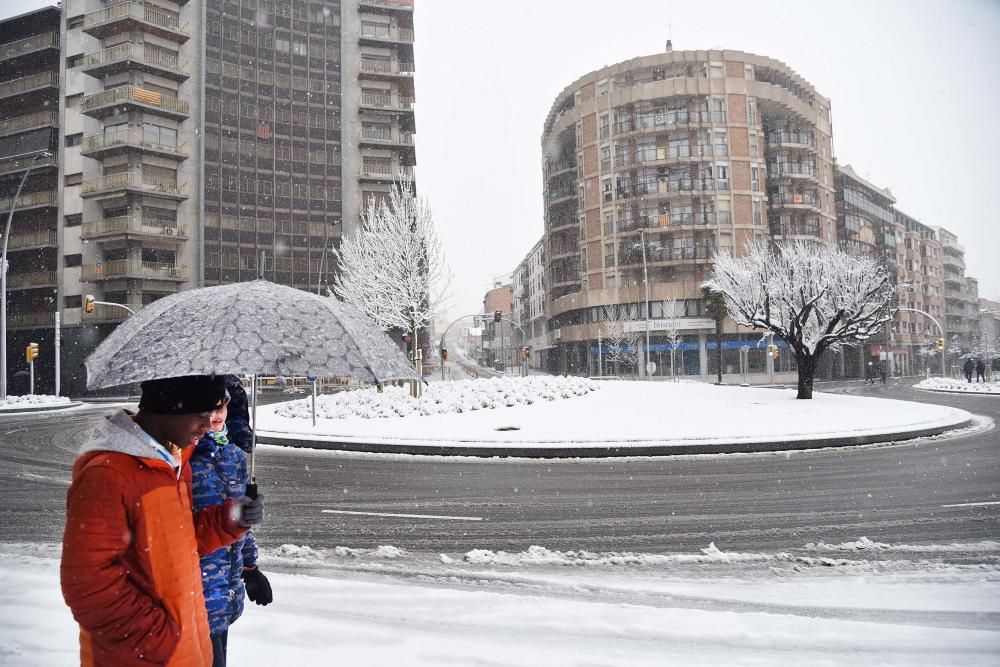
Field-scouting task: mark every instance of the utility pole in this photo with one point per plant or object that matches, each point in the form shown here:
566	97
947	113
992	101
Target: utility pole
645	280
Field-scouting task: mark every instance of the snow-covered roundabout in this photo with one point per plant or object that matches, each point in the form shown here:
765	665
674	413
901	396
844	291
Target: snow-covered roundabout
951	385
542	416
34	402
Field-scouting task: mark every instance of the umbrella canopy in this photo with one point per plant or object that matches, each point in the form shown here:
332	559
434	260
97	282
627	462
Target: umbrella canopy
252	328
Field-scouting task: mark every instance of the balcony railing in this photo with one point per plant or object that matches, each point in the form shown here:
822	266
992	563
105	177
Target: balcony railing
22	163
132	136
138	11
31	279
11	49
126	94
37	119
44	198
31	320
781	168
137	52
121	268
16	86
389	35
666	255
800	138
386	67
386	101
41	237
379	171
794	198
387	136
136	224
132	180
796	229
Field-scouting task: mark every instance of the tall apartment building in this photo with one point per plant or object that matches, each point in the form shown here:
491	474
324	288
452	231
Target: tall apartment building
213	142
701	150
529	301
29	147
920	269
961	294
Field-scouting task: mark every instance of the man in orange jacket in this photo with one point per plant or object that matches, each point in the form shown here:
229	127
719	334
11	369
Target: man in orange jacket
130	570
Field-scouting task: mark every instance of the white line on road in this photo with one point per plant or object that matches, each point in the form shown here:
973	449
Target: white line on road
994	502
407	516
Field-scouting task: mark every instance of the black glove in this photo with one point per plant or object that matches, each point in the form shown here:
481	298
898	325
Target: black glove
258	587
251	511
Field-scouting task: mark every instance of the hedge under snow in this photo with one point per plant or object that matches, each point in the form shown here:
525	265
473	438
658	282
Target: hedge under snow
440	398
950	384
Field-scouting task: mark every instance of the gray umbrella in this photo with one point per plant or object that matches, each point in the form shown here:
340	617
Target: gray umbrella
252	328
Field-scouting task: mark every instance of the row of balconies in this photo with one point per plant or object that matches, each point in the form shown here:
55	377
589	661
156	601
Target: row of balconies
136	182
812	229
34	43
109	143
112	101
135	56
28	122
130	268
131	15
26	83
133	224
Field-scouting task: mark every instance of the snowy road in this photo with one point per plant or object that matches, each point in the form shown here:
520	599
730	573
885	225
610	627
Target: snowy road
934	491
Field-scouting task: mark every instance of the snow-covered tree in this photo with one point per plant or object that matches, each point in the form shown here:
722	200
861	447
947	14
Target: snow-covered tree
393	269
623	345
813	297
672	311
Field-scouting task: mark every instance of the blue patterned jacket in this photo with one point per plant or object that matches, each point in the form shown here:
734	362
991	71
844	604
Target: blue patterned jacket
219	471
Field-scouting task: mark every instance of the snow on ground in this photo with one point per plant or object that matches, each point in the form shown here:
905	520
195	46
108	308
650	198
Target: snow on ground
951	384
654	412
387	607
32	401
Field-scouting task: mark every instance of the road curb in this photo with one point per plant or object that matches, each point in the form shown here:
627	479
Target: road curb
41	408
618	450
958	393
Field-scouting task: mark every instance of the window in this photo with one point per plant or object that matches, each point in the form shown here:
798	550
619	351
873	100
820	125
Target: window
605	126
74	179
73	220
754	179
72	260
74	61
74	139
73	301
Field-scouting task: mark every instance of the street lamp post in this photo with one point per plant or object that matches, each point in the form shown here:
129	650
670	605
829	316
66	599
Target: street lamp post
645	280
3	277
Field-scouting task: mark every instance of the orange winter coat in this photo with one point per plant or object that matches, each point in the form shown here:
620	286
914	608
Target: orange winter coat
130	570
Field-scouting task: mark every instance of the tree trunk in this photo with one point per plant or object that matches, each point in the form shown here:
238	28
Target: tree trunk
807	369
718	351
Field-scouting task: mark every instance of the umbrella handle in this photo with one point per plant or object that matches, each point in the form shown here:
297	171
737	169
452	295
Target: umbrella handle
252	489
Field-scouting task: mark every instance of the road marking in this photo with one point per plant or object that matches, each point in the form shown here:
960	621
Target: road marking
407	516
994	502
16	430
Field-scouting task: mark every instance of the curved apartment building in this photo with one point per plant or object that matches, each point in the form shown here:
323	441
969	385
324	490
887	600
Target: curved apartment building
695	152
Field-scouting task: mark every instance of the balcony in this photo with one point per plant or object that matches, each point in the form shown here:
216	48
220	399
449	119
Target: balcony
129	268
394	5
668	119
105	185
662	255
130	139
382	35
380	137
29	122
129	16
31	280
374	172
662	222
791	169
31	200
794	140
132	56
386	102
126	98
47	40
36	239
127	225
793	200
954	261
25	84
22	163
386	68
809	229
34	320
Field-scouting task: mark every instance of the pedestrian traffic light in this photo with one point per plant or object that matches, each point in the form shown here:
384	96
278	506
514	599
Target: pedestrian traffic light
497	316
31	352
444	354
939	345
88	303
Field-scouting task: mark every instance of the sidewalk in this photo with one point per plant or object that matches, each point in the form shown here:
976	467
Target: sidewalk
624	419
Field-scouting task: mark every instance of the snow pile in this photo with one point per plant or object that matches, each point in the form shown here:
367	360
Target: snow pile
439	398
951	384
33	401
536	555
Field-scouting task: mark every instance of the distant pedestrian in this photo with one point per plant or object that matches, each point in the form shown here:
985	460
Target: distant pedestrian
882	371
967	368
980	371
870	373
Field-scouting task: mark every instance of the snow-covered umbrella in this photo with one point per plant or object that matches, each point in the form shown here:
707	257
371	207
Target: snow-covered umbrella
255	328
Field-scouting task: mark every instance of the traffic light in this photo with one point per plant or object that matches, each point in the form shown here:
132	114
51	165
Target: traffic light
497	316
88	303
939	345
444	354
773	351
525	351
31	352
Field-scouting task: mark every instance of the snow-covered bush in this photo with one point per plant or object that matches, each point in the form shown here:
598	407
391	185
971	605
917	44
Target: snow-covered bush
440	398
951	384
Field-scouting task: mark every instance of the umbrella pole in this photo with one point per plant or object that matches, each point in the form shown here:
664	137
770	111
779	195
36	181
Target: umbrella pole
252	486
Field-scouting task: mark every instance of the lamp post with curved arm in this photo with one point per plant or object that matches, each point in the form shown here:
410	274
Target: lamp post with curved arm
3	277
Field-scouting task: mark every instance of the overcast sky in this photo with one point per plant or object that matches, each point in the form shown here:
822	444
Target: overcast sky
913	87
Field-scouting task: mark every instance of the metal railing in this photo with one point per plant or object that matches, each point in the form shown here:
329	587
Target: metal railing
31	279
630	257
44	198
379	171
386	67
380	134
804	199
132	136
15	86
138	95
140	12
793	229
129	267
30	320
386	101
30	239
778	168
133	223
800	138
138	52
7	166
388	34
131	180
18	123
11	49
